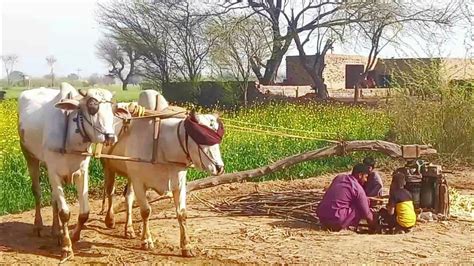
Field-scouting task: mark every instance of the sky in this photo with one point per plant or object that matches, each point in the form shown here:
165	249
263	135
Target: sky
35	29
67	29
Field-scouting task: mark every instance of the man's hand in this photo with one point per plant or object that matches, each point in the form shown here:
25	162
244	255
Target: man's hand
374	226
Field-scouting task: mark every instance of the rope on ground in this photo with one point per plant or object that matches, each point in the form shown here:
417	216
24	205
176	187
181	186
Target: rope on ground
278	134
282	128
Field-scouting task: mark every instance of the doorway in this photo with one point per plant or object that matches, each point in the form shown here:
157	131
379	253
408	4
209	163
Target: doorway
352	75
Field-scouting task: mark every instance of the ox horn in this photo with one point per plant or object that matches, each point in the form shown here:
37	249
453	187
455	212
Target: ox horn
83	92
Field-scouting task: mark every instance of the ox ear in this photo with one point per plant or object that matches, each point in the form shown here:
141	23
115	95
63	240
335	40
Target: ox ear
83	92
67	104
122	113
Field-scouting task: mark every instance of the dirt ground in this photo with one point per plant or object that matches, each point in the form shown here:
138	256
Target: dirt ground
219	238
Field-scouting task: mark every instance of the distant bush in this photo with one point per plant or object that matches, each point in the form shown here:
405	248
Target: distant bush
446	123
206	93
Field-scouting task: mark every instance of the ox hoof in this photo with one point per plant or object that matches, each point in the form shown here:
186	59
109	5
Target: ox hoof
129	233
148	245
109	221
187	253
37	230
66	255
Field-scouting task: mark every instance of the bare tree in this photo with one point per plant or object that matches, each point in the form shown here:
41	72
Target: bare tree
298	20
9	62
121	56
271	10
239	45
51	60
170	35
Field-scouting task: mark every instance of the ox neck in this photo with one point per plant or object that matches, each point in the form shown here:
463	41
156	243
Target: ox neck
75	140
183	140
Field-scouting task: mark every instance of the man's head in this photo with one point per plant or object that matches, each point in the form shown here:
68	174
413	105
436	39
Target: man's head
370	162
361	172
398	181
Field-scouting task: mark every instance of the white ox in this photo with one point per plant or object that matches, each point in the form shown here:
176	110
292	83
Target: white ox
151	100
48	136
176	152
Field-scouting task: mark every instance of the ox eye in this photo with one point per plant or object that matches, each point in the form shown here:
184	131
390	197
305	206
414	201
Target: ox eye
92	106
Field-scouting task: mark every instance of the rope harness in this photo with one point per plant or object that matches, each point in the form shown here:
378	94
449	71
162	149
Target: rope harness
139	112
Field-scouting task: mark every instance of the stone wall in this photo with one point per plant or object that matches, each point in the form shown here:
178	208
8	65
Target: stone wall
298	91
334	74
335	71
290	91
457	69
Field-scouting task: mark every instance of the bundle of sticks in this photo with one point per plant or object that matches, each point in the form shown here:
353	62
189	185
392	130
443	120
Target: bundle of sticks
292	205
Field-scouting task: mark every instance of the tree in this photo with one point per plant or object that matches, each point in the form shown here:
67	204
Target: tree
51	60
9	62
16	76
239	45
121	56
93	79
271	11
327	25
170	35
295	20
73	76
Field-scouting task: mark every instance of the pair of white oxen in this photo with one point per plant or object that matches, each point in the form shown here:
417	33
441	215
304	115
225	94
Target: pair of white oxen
55	126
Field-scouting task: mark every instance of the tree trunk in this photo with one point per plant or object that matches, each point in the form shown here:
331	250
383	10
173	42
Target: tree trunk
245	90
341	149
124	85
316	69
271	70
273	64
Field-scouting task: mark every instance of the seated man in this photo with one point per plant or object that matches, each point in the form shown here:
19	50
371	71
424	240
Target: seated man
400	213
344	204
373	186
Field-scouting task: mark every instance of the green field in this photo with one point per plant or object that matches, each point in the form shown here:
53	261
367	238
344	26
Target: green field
130	94
241	150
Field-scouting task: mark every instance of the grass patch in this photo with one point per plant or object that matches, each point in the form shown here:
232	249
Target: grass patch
120	95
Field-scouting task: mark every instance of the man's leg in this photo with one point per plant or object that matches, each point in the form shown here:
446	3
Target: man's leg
329	225
353	219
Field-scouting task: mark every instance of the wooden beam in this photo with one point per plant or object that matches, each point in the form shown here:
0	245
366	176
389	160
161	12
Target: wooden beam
391	149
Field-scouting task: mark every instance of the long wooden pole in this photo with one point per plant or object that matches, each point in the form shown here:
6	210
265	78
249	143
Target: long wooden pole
391	149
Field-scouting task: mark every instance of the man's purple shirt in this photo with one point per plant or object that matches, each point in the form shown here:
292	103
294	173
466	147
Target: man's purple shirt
344	203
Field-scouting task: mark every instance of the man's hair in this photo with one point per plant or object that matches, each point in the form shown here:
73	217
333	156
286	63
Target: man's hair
369	161
360	168
398	180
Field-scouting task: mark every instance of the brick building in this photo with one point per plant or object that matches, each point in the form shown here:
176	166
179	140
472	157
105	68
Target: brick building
343	71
